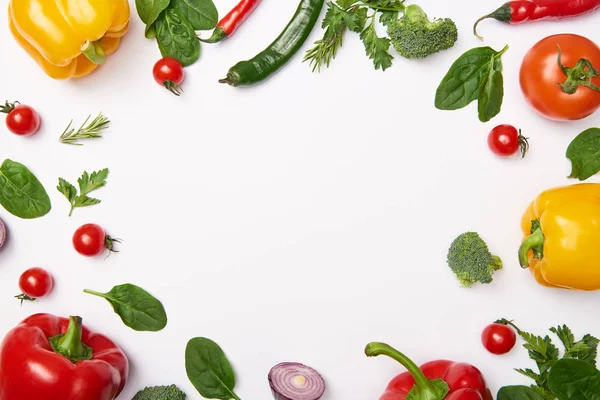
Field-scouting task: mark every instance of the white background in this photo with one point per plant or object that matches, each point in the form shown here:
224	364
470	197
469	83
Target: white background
296	220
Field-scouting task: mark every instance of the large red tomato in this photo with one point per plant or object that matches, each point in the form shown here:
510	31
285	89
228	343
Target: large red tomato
542	76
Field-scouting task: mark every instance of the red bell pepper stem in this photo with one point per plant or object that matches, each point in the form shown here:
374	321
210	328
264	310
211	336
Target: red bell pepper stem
232	21
69	344
426	389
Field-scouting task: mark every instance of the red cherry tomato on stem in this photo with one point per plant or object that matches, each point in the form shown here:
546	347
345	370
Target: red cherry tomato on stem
34	283
90	240
21	120
506	140
169	73
498	338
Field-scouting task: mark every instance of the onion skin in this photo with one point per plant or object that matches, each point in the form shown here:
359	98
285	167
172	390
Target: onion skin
2	233
308	373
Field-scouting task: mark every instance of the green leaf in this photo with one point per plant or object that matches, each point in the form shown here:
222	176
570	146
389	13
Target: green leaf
376	47
590	355
345	4
201	14
388	17
209	370
88	183
355	20
518	393
138	309
84	201
68	190
149	10
565	335
474	75
584	153
572	379
21	193
491	91
150	32
177	38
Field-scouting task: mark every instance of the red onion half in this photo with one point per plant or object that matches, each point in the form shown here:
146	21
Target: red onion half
295	381
2	233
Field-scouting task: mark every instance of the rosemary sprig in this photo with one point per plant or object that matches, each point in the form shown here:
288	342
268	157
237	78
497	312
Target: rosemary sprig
93	130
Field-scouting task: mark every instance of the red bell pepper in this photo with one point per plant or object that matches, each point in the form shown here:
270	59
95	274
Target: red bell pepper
435	380
52	358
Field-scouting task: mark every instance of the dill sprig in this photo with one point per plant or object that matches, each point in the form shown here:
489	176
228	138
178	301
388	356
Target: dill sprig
93	130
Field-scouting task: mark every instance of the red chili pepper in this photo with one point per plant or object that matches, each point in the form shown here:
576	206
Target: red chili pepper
52	358
516	12
233	20
435	380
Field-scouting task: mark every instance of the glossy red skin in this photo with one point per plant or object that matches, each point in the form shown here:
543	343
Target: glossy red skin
503	140
36	282
532	10
465	381
498	338
31	370
168	69
23	120
237	15
89	240
540	75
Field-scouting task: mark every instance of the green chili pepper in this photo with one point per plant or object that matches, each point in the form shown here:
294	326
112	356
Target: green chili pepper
270	60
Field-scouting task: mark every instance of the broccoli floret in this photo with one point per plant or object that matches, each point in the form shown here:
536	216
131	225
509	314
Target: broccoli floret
415	36
171	392
471	260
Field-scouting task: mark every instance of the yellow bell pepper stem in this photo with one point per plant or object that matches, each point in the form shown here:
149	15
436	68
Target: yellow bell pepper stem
534	242
94	52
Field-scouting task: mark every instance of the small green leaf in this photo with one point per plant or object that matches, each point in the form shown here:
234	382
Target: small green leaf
84	201
518	393
209	370
88	183
177	38
584	153
21	193
345	4
201	14
377	47
137	308
68	190
491	91
149	10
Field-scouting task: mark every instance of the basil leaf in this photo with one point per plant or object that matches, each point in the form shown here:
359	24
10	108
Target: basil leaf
572	379
518	393
201	14
138	309
491	91
209	370
176	37
584	153
21	193
149	10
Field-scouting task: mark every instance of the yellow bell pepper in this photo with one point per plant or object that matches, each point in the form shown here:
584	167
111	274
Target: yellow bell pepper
562	237
68	38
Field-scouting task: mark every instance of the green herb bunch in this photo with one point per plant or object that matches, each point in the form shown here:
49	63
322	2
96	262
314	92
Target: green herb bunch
174	24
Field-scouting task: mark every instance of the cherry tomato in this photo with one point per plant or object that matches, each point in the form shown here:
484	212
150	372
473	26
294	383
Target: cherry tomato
91	240
498	338
505	140
541	77
169	73
21	120
34	283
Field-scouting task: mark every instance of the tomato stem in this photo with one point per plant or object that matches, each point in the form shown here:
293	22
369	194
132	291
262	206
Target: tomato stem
8	107
69	344
523	144
23	297
580	75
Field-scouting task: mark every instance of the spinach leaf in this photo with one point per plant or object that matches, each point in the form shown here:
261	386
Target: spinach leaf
201	14
209	370
21	194
138	309
176	37
518	393
572	379
584	153
149	10
475	75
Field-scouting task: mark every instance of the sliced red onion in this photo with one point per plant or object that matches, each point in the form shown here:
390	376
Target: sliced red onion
295	381
2	233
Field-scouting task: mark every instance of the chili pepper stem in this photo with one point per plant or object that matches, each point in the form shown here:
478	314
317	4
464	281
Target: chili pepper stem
217	35
70	344
502	14
536	239
425	388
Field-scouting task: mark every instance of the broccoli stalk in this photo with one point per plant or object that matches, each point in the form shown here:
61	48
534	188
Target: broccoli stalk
471	261
415	36
171	392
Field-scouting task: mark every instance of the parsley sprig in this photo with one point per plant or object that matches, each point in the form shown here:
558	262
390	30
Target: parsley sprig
353	15
93	130
87	183
546	354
